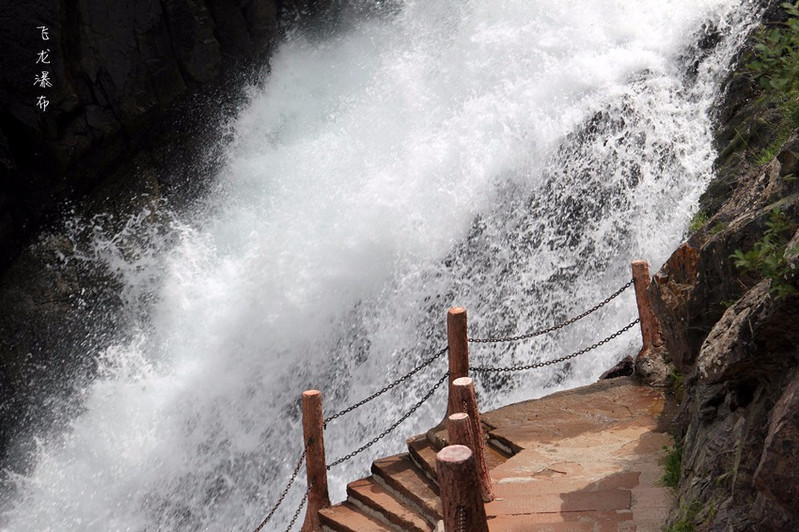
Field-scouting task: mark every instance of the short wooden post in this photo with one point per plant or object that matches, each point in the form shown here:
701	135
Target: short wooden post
466	401
458	341
459	430
650	328
315	465
462	506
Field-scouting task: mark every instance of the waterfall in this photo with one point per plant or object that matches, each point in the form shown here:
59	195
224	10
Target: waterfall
510	157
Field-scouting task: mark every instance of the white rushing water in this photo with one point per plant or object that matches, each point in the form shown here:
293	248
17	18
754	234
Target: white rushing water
510	157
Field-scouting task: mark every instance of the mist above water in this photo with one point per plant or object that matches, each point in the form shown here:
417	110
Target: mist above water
512	158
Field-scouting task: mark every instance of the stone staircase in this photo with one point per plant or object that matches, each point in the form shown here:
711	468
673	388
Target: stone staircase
583	460
402	493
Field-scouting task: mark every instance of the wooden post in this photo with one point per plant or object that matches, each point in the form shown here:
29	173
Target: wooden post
458	341
462	506
650	328
466	401
459	430
315	465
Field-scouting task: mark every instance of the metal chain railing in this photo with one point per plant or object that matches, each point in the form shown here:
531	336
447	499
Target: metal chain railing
392	427
418	404
387	387
284	492
554	327
380	392
484	369
298	510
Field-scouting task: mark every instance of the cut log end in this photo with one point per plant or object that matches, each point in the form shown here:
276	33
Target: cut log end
463	381
454	454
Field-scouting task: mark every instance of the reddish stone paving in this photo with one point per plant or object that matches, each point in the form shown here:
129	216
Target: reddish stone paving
582	460
586	459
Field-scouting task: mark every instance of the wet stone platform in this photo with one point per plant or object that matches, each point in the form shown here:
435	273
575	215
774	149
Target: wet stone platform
587	459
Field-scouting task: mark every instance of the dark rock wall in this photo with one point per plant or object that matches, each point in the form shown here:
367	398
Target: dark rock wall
734	341
116	67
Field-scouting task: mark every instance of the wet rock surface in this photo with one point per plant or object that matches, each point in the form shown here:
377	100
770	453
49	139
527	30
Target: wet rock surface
121	74
775	477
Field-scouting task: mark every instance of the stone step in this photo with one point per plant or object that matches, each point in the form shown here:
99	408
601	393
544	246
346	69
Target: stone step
345	517
566	522
423	455
496	451
494	456
518	500
407	483
502	445
376	500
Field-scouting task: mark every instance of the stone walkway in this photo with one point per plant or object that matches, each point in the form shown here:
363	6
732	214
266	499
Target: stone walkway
586	459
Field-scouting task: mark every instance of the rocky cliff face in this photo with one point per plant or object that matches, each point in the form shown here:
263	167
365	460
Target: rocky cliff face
731	332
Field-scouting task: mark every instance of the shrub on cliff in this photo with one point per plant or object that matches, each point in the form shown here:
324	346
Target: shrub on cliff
767	257
776	59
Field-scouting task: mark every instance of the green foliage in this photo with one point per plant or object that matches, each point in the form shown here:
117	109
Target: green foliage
776	53
682	525
672	465
767	154
774	63
767	257
788	105
699	219
687	516
676	384
718	227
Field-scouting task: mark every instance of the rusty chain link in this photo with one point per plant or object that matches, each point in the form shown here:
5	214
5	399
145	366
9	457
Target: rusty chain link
484	369
387	387
460	519
299	509
554	327
283	494
392	427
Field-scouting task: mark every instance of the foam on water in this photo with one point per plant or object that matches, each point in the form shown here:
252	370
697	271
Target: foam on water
509	157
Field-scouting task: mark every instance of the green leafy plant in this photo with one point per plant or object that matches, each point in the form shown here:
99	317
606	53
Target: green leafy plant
767	154
671	466
682	526
767	257
774	64
699	219
776	53
677	385
688	515
717	228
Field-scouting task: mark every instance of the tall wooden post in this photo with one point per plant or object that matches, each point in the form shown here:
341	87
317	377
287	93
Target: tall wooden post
462	506
315	466
458	341
651	334
466	401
